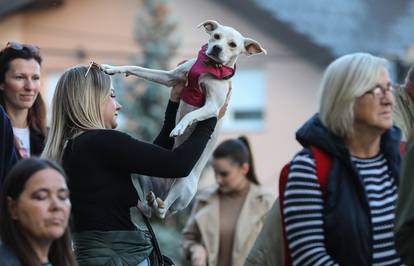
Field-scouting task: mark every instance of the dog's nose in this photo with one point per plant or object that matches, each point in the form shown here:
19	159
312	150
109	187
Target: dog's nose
216	49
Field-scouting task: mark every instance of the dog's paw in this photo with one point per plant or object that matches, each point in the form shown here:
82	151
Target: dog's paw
174	133
179	129
111	70
161	211
157	205
151	200
160	203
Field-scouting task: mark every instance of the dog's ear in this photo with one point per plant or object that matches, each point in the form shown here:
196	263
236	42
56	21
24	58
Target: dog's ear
253	47
209	25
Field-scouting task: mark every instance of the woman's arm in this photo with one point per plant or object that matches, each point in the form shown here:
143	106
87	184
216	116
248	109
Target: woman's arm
133	156
163	139
303	206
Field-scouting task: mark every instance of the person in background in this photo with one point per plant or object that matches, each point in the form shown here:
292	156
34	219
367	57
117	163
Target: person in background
404	105
8	156
404	216
267	250
99	162
34	213
228	216
351	221
20	96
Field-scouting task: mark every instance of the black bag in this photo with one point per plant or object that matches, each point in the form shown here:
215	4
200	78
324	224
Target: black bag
156	259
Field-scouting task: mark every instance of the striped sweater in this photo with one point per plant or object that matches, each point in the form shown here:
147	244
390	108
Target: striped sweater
303	208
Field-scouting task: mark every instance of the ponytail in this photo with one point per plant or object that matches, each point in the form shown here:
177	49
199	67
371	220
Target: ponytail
238	150
251	174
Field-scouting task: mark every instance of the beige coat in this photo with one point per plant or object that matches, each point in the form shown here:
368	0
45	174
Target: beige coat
268	250
203	224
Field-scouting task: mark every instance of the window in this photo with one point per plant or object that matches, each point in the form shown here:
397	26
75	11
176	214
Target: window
247	103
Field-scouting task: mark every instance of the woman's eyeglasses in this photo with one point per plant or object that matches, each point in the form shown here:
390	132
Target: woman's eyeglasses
20	46
379	91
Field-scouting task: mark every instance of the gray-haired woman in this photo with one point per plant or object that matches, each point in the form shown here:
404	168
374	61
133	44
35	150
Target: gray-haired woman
351	221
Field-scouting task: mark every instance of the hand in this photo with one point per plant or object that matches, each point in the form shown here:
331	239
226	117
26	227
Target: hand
176	90
198	255
175	94
223	109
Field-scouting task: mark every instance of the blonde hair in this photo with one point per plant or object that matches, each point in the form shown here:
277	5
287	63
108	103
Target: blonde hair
76	107
344	80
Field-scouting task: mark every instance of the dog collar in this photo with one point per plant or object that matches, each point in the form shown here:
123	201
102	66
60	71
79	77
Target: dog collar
220	71
193	94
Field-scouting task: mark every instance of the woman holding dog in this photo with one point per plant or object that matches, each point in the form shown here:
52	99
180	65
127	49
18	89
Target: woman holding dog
227	217
350	219
99	161
20	96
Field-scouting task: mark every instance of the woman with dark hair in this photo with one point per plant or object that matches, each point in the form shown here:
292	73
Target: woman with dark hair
228	216
34	211
20	96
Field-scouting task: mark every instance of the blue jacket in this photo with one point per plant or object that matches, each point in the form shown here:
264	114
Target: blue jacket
8	155
347	220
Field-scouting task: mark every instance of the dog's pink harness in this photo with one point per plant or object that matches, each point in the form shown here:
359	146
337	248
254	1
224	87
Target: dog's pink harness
193	94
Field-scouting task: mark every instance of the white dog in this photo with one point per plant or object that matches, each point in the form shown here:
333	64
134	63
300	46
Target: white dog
207	87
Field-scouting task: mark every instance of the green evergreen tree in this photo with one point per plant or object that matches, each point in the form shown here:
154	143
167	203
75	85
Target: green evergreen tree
143	101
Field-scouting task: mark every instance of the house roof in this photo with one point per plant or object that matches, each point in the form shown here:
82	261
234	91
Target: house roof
8	7
330	29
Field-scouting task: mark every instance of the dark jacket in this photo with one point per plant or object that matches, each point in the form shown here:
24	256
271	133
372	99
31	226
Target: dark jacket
347	220
8	154
37	142
404	216
7	258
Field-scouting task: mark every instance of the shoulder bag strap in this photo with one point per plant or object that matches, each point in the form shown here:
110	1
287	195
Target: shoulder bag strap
153	239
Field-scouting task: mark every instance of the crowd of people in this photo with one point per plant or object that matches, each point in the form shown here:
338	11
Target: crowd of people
79	169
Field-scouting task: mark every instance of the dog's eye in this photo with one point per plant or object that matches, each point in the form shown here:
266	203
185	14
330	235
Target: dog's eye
216	36
232	44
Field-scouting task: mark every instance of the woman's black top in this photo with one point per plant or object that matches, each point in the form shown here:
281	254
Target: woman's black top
99	163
